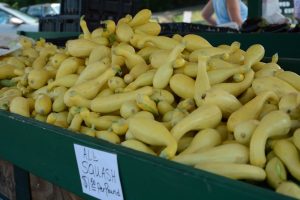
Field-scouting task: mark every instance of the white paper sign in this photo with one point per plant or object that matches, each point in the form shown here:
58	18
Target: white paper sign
9	43
99	173
187	16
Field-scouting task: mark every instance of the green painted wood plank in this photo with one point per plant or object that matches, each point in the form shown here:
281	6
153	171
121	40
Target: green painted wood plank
254	8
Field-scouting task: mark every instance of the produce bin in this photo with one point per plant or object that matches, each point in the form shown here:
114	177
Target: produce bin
94	11
61	23
48	151
102	8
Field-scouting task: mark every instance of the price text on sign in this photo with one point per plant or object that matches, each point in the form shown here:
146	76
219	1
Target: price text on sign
99	173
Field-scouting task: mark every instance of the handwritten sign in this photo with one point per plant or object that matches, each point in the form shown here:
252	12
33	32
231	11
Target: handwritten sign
99	173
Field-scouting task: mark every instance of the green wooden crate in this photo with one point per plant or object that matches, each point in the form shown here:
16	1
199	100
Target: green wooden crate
48	152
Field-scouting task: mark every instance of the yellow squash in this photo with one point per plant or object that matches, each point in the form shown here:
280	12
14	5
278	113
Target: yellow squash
65	81
80	47
225	153
99	122
106	104
194	42
183	143
206	116
143	114
144	102
38	78
135	72
153	133
43	104
250	110
243	131
275	84
191	69
128	109
227	103
7	95
58	119
221	75
289	155
237	57
93	70
150	28
267	108
76	122
276	123
162	42
115	83
131	59
99	53
40	62
202	84
142	17
276	172
291	78
20	105
68	66
247	95
108	136
138	145
204	140
234	170
211	51
187	104
145	79
57	59
158	57
183	86
84	28
162	95
289	103
290	189
164	73
119	126
218	63
90	89
58	104
163	107
296	138
7	71
268	70
146	52
237	88
124	32
254	54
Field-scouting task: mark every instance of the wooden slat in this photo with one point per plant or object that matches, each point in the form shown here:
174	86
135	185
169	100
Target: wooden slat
42	189
7	183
